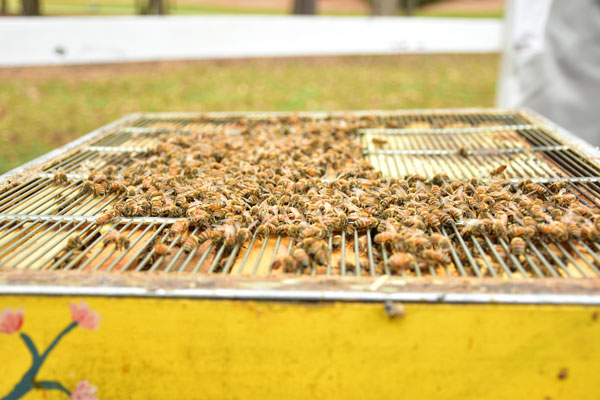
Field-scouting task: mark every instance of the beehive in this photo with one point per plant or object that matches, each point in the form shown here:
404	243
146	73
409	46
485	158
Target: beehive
39	215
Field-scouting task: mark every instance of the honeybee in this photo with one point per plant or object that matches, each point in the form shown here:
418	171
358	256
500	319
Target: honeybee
179	227
318	231
526	232
377	141
384	238
242	236
100	188
432	220
60	178
436	256
301	257
87	187
555	230
111	237
498	171
336	241
74	242
191	242
315	249
162	249
117	186
131	191
107	217
517	246
463	151
286	263
265	230
440	241
229	235
400	261
211	234
97	177
122	242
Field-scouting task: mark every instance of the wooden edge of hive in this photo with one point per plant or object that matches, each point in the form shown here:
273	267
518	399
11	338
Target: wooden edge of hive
163	284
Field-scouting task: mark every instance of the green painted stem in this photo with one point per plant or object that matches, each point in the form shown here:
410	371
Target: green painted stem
28	382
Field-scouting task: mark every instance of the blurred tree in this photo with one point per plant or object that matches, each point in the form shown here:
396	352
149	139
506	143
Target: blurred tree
3	7
158	7
31	7
384	7
391	7
307	7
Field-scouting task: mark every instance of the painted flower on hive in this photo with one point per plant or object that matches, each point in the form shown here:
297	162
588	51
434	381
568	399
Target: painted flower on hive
11	321
84	391
86	318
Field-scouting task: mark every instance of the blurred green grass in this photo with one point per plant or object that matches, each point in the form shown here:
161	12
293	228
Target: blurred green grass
43	108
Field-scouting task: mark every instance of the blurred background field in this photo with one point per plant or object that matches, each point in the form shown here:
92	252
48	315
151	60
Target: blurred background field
447	8
45	107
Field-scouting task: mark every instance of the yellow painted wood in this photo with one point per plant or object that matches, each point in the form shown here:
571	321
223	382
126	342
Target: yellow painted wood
201	349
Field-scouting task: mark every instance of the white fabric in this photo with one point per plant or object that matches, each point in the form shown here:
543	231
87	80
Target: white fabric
552	62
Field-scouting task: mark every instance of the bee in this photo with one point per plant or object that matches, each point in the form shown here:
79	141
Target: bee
526	232
336	241
107	217
211	234
436	257
191	242
60	178
463	152
498	171
401	261
131	207
455	213
315	249
557	186
555	230
131	191
74	242
318	231
122	242
474	227
301	258
440	179
242	236
265	230
100	188
432	220
575	231
87	187
229	235
111	237
286	263
117	187
415	243
440	241
590	232
98	177
536	188
162	249
384	238
377	141
179	227
517	246
198	217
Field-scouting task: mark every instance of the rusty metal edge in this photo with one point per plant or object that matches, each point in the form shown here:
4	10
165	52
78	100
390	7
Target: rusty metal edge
292	288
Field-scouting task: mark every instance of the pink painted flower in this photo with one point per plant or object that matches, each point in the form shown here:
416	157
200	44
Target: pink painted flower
86	318
84	391
11	321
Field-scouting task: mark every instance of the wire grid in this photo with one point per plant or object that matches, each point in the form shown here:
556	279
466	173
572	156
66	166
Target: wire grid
38	216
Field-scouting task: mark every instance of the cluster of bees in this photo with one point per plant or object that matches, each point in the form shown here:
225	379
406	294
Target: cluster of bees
308	181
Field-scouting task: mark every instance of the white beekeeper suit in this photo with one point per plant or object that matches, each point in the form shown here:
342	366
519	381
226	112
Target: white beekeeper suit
551	62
